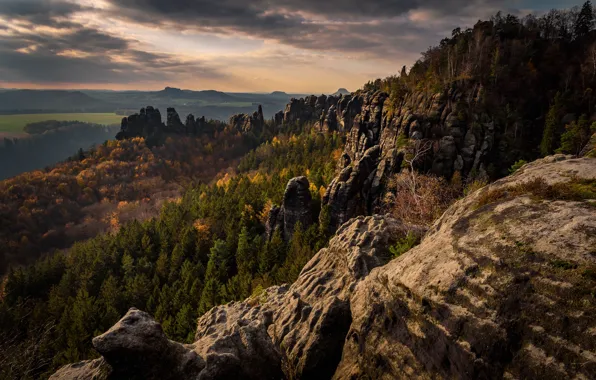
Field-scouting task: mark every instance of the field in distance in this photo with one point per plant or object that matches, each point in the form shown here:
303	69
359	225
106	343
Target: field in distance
14	124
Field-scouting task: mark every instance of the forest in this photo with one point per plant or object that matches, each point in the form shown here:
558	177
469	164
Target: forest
535	76
48	143
205	242
94	190
206	248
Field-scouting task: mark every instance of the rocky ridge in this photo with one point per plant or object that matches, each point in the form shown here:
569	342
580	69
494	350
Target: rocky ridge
248	123
459	136
501	286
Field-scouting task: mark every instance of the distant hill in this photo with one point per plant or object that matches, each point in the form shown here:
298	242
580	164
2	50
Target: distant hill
21	101
341	91
212	104
205	96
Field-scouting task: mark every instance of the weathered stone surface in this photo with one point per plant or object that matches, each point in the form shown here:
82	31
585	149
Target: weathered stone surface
495	291
348	193
311	322
297	205
85	370
371	119
311	108
233	340
296	208
136	347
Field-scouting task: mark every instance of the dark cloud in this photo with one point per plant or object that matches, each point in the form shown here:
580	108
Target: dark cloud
381	29
366	26
73	53
39	12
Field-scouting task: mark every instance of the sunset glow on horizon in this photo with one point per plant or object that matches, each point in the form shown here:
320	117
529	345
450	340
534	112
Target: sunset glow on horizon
228	45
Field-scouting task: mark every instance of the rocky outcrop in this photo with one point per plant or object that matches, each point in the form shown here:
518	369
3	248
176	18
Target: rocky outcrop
311	320
245	123
137	348
143	124
148	124
197	127
296	208
369	157
500	287
460	137
173	121
309	109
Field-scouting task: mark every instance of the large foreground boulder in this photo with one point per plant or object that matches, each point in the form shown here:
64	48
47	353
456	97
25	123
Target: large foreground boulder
502	286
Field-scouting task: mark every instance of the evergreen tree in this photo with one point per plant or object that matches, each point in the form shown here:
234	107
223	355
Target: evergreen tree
585	20
245	255
214	276
272	253
298	255
549	136
576	136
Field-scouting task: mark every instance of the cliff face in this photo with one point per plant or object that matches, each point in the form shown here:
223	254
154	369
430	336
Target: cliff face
296	208
452	125
501	286
451	130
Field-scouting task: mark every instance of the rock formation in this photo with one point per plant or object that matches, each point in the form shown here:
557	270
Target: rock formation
502	286
173	121
296	208
460	136
197	127
309	109
145	123
245	123
369	156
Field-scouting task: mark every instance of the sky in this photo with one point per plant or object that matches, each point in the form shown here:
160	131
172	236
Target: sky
298	46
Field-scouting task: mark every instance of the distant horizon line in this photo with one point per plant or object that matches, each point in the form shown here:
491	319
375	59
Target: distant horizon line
176	88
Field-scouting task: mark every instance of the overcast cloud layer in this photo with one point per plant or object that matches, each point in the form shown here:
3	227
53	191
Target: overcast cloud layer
262	45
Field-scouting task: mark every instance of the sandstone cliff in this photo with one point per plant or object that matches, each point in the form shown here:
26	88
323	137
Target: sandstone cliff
296	208
502	286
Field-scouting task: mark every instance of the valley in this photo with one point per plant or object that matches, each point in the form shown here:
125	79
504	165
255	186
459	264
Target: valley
16	123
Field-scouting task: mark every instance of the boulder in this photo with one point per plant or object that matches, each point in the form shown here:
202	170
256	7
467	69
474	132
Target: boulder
233	340
136	347
501	287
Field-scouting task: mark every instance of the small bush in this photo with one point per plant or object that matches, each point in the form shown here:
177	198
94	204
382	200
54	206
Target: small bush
404	245
474	185
515	167
419	199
